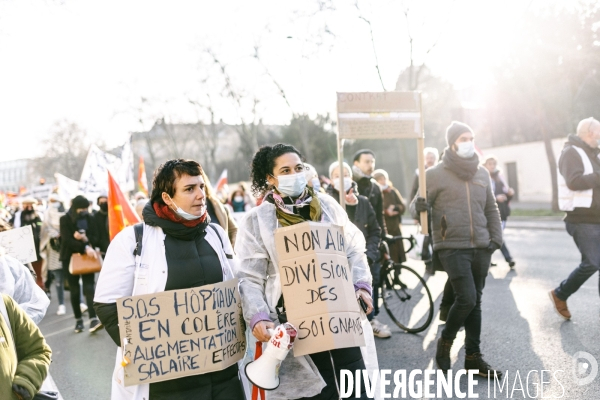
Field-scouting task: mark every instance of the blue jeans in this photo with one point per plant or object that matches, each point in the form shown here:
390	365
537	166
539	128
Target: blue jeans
504	249
587	239
467	270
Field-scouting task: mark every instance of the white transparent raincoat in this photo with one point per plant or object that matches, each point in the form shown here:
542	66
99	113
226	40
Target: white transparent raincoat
260	288
16	281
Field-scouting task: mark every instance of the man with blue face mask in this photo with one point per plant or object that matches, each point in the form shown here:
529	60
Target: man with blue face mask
466	231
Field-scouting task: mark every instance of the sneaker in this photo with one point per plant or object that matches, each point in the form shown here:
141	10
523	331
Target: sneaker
560	306
476	361
512	264
79	326
444	310
95	325
62	310
442	354
83	308
380	330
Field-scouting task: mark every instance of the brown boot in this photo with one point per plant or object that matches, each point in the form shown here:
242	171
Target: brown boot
442	355
560	306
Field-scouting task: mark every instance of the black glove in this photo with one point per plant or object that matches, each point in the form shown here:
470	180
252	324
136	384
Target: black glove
21	392
421	205
492	247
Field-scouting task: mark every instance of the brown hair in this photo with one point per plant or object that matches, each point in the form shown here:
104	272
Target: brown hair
166	175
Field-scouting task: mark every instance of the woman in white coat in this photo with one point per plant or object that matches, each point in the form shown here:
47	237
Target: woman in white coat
278	173
180	250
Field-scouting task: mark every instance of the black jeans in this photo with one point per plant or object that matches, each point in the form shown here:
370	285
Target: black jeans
587	238
330	363
376	274
74	288
467	270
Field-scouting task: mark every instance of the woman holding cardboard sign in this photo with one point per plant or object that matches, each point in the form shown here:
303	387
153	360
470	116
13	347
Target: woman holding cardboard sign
179	249
278	174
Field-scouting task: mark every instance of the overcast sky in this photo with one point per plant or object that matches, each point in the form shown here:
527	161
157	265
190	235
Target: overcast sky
91	62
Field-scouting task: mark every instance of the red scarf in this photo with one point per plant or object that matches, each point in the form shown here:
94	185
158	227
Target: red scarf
163	211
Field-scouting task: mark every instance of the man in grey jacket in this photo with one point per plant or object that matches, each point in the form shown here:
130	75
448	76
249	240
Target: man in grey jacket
466	231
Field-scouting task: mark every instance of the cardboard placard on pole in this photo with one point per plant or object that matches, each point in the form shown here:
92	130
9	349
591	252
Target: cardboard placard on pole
383	115
180	333
317	287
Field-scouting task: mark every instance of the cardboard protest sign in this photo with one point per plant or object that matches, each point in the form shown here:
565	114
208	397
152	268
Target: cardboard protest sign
317	287
385	115
180	333
18	243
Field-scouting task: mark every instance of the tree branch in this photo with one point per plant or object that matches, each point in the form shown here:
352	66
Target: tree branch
368	22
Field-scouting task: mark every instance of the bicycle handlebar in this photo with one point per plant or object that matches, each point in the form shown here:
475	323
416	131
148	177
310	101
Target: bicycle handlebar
411	239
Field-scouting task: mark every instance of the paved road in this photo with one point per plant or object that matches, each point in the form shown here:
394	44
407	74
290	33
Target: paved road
521	332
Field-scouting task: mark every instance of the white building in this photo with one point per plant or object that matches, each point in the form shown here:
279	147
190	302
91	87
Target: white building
15	174
525	167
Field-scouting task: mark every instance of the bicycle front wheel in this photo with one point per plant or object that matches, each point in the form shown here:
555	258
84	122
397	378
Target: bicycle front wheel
406	298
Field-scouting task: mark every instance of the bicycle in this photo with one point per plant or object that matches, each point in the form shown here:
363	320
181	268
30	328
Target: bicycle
406	296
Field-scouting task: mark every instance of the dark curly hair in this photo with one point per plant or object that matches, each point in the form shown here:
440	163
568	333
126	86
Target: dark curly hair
167	173
263	163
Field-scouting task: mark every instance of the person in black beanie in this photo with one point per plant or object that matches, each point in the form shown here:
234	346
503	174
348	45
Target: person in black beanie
466	231
79	235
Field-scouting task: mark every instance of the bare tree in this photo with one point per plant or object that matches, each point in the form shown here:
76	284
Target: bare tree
65	151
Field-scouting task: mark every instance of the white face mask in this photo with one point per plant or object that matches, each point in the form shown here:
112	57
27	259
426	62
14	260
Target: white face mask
384	187
347	183
466	149
292	185
238	199
186	215
55	205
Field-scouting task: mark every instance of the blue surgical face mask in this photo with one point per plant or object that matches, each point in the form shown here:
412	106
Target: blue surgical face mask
465	149
292	185
316	184
185	215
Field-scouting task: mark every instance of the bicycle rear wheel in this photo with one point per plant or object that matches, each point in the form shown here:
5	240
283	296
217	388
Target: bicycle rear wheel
406	298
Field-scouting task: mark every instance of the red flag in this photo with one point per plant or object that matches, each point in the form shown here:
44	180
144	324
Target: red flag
120	212
142	179
222	180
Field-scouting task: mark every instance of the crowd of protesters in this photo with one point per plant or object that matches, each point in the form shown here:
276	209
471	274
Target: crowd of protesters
203	231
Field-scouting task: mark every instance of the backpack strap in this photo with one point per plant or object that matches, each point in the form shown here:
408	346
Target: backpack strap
138	229
229	256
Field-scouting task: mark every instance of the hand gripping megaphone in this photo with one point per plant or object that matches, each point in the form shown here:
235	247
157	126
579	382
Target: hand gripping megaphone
264	372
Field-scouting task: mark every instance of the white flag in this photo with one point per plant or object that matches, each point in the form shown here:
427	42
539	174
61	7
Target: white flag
94	177
67	189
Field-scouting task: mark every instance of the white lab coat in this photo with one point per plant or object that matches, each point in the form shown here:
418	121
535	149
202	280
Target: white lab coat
260	288
16	281
120	277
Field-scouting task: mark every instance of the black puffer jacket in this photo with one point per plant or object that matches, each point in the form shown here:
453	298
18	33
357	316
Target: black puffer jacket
363	216
369	188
